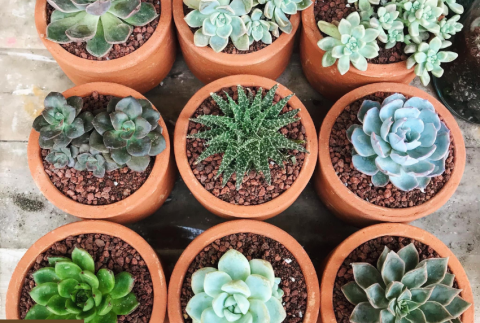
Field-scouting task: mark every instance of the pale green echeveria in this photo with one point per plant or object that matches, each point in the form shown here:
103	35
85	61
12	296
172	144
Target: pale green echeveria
129	131
400	141
421	14
238	291
452	4
219	21
394	35
449	27
99	23
428	58
387	16
374	2
278	10
259	29
69	289
63	157
403	289
350	42
61	121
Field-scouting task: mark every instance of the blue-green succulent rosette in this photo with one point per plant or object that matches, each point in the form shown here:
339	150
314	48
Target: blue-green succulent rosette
401	141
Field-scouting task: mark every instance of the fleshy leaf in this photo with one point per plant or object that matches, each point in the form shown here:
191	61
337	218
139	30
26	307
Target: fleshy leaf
235	265
124	282
83	259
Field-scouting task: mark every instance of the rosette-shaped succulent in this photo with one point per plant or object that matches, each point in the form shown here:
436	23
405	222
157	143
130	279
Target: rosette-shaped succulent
63	157
129	130
259	29
349	42
401	141
449	27
238	291
96	163
421	14
248	134
278	9
387	16
70	290
61	121
428	58
219	20
402	289
100	23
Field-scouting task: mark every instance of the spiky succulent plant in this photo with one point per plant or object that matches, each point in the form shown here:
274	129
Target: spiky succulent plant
129	130
247	134
278	9
70	290
100	23
350	42
258	28
61	121
238	291
402	289
401	141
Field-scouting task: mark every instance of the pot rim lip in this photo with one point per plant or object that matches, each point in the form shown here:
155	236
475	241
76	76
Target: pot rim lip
374	70
338	255
378	212
244	226
264	210
99	67
84	227
109	211
263	55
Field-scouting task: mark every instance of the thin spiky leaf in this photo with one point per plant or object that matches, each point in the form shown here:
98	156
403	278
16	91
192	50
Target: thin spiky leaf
212	149
268	99
223	105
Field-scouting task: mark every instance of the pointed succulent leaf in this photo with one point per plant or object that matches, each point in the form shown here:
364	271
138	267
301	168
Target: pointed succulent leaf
45	275
38	312
376	296
457	307
436	269
66	270
415	278
83	259
123	285
366	275
41	294
364	313
354	293
435	312
125	305
145	15
443	294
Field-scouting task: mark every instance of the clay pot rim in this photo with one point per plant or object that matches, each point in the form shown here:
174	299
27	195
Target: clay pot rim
84	211
338	255
243	226
97	67
262	211
239	60
374	70
375	212
87	227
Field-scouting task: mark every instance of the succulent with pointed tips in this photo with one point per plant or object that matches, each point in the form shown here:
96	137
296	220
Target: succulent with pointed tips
99	23
401	141
238	291
63	157
258	28
70	290
248	134
422	14
402	289
350	42
277	10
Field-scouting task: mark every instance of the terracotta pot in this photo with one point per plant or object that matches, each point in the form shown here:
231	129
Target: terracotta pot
216	205
175	314
146	200
351	208
86	227
338	255
141	70
327	80
209	66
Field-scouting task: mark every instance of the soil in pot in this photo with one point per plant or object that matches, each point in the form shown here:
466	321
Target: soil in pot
231	49
139	36
334	10
254	189
254	246
82	186
108	252
361	184
369	252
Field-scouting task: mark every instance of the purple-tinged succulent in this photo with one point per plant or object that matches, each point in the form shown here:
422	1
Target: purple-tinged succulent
400	141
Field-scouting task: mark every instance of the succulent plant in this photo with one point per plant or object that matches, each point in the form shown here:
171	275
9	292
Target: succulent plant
428	58
422	14
453	5
99	23
402	289
449	27
374	2
401	141
259	29
278	9
63	157
387	16
96	163
129	131
349	42
61	121
219	20
247	134
70	290
238	291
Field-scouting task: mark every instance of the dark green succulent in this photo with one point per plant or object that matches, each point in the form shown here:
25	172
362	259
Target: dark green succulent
248	134
70	290
63	157
61	121
129	130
